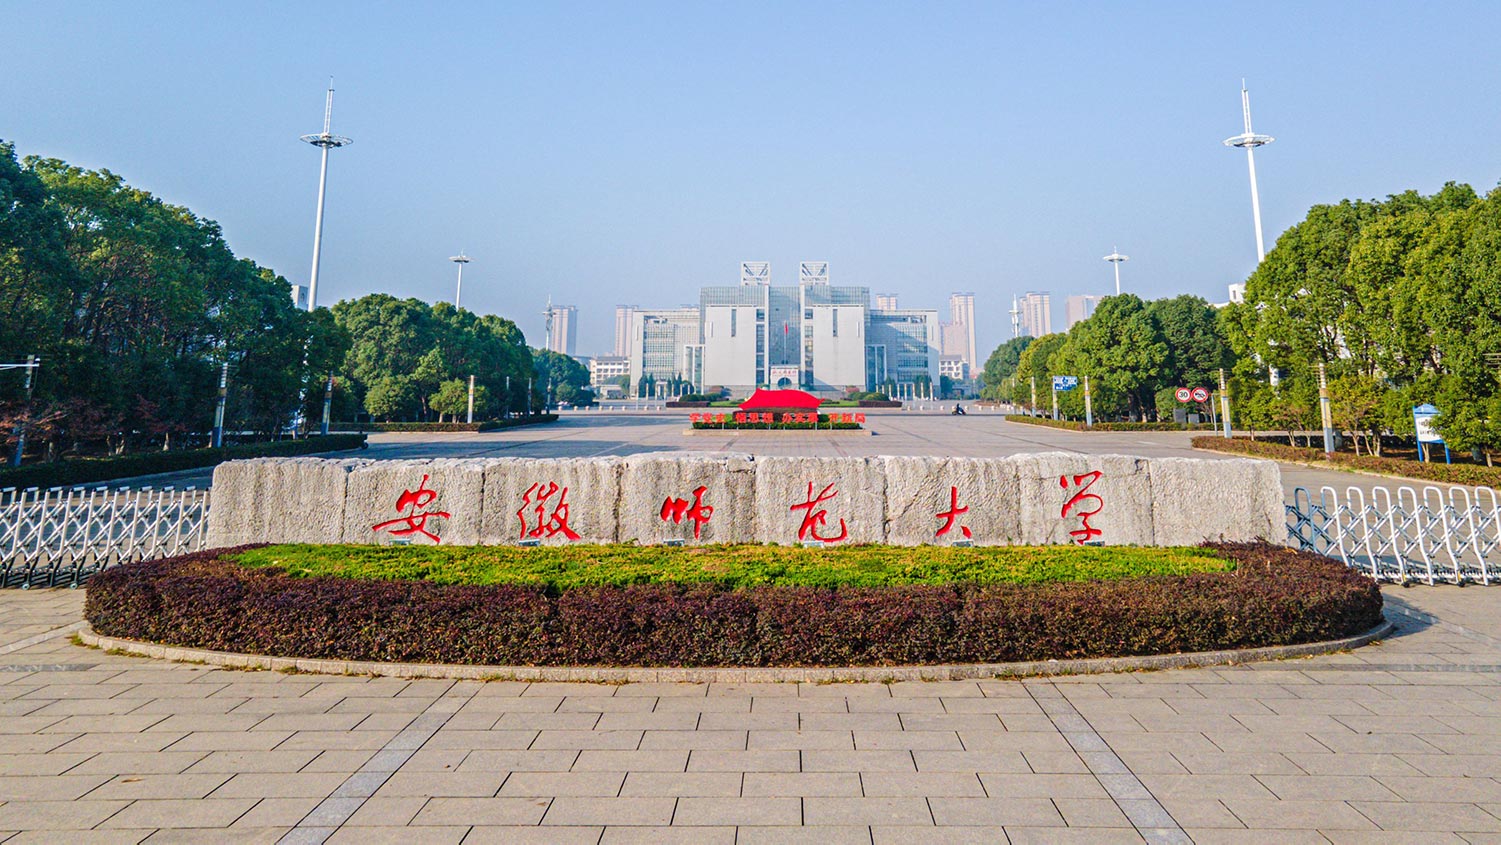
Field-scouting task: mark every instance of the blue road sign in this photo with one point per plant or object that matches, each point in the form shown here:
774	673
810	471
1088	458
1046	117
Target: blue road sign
1065	382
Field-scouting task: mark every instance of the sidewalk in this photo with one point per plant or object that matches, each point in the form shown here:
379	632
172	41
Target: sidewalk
1397	742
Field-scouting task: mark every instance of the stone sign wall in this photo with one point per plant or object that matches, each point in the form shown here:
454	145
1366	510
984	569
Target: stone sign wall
723	498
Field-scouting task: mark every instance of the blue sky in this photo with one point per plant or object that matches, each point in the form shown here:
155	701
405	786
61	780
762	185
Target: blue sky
616	152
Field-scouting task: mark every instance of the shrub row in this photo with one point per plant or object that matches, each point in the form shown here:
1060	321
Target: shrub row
487	425
732	566
1076	425
1470	475
86	470
1275	596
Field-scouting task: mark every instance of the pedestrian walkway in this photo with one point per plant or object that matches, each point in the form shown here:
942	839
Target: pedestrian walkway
1397	742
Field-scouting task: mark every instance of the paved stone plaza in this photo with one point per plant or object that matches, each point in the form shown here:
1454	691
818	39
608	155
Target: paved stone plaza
1399	741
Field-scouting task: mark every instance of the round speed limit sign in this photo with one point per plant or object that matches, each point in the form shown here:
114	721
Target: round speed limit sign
1183	394
1201	394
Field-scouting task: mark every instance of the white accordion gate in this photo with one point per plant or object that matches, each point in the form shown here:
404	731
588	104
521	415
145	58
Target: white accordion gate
60	537
1430	534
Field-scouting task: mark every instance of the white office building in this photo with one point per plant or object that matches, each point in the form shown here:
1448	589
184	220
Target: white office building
623	329
816	336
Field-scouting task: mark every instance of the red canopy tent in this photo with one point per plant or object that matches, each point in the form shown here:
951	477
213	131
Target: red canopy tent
781	400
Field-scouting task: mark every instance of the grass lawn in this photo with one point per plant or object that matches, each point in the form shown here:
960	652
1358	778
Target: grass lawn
565	567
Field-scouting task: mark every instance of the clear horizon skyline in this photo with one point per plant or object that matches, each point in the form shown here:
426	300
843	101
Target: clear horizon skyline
603	155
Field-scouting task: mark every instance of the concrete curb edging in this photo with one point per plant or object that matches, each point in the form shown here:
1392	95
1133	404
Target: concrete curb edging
752	674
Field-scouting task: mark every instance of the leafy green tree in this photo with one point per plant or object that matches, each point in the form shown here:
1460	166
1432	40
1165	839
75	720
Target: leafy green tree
1120	346
1196	347
391	396
559	371
1001	367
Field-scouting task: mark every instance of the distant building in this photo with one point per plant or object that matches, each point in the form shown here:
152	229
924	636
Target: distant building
1238	292
562	328
299	297
1036	313
954	367
959	332
605	371
813	335
623	329
886	302
1077	308
664	344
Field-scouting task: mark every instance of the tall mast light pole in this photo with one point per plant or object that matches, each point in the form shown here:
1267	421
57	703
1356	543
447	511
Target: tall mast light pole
1249	140
326	141
461	259
1116	258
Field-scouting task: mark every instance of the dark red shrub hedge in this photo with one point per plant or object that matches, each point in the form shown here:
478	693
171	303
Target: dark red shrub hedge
1275	596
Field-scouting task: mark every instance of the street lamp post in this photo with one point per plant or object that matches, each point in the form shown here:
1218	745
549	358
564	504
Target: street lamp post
461	259
1249	141
1116	258
219	406
31	365
326	141
328	404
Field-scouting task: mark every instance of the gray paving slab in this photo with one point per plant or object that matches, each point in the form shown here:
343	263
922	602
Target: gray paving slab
1397	742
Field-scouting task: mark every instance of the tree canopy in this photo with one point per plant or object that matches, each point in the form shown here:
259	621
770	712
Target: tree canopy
404	351
133	304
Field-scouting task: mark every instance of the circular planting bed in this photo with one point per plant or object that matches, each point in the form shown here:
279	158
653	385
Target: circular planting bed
731	606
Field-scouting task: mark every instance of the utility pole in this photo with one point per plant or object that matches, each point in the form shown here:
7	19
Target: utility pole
1328	417
1055	401
1034	396
326	141
328	404
506	411
470	417
219	407
529	408
1088	406
31	365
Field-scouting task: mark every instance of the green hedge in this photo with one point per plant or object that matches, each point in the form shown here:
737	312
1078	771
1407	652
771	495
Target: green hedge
1273	596
1467	475
1075	425
488	425
558	568
66	473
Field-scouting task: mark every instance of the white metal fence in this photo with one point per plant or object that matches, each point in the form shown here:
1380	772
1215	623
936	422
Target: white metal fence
60	537
1428	534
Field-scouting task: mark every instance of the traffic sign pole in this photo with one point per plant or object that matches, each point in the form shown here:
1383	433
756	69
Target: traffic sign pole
1055	400
1088	406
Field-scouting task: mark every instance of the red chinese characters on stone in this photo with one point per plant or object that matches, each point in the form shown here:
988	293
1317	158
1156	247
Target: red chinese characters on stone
815	517
951	515
539	498
698	513
1083	497
415	519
